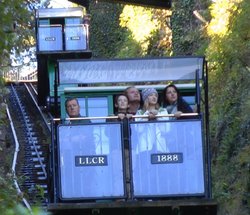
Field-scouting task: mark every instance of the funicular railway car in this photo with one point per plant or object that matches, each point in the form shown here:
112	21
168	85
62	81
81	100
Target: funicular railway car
61	33
96	166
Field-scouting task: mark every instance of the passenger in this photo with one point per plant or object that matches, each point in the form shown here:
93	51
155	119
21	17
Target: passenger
174	103
151	108
79	140
151	134
121	104
134	98
73	110
148	139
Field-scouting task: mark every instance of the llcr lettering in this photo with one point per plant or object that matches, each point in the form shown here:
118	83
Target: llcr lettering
91	160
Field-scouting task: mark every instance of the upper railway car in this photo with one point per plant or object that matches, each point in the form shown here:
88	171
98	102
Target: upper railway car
61	33
96	165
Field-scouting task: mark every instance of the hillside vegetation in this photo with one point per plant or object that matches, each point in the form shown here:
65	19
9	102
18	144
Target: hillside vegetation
228	55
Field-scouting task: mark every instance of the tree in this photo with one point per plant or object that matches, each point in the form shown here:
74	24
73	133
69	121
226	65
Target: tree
106	36
149	33
131	31
188	23
16	27
229	71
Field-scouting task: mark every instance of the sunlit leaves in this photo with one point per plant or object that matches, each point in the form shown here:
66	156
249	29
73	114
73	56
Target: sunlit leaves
106	36
140	21
221	11
16	26
228	56
149	29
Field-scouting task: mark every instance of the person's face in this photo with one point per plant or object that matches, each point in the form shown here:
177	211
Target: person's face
171	95
152	99
122	102
73	109
133	95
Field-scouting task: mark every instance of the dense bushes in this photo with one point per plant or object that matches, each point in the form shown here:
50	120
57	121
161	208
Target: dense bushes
228	56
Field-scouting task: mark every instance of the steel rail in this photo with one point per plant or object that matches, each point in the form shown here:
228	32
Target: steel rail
38	108
30	135
14	162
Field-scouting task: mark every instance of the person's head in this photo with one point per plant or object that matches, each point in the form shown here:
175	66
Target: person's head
72	107
121	102
133	94
170	94
150	98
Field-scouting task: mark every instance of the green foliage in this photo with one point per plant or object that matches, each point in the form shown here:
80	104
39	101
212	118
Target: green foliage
129	32
11	203
106	36
182	16
8	195
140	22
160	42
228	55
149	29
16	27
3	94
188	31
129	48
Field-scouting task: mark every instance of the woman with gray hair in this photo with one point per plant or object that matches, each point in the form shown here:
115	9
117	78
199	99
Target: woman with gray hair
151	108
152	135
148	139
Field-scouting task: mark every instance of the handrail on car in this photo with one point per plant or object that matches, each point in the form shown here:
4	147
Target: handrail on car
116	117
49	25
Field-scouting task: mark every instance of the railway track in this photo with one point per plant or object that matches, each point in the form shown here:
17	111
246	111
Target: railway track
33	134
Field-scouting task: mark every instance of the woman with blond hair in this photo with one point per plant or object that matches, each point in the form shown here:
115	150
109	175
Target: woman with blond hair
151	108
151	135
148	139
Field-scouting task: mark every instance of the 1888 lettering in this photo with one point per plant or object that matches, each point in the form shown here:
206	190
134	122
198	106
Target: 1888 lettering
167	158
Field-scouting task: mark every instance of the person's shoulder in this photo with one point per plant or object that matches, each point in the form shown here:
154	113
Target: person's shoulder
184	106
140	112
162	110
